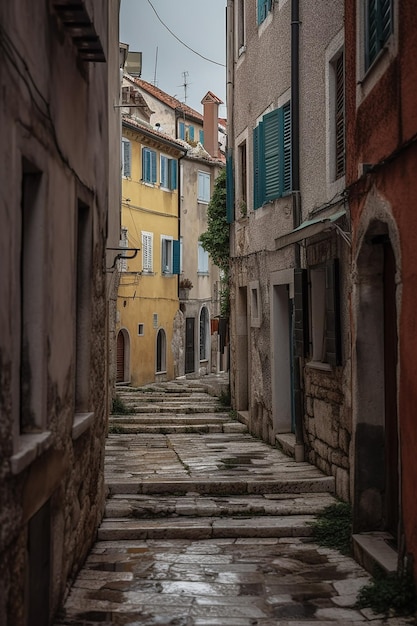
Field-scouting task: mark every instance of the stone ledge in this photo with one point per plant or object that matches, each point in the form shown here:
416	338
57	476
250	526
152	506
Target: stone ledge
371	549
30	447
81	423
287	443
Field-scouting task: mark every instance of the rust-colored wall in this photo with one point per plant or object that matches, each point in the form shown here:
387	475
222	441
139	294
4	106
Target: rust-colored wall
383	131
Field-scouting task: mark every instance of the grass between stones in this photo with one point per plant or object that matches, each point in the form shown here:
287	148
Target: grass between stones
119	407
333	528
390	594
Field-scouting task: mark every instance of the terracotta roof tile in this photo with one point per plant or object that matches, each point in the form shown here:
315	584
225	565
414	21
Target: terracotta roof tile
167	99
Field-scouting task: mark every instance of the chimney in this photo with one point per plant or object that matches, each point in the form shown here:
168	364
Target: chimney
210	104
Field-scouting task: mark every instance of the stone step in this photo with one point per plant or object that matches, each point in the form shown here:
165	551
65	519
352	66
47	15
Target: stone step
171	428
206	528
324	484
179	408
142	506
175	418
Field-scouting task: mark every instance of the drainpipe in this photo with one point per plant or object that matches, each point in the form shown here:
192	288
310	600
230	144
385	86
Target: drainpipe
296	210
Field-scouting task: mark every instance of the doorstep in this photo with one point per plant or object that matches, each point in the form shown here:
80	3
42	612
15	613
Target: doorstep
373	549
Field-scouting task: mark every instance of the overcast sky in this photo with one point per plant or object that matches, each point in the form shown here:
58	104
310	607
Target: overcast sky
200	24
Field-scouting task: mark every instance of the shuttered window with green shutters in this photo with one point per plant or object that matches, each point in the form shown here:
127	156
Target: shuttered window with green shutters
264	7
379	24
272	156
148	165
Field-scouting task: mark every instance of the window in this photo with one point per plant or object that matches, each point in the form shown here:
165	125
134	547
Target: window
33	376
170	255
166	253
242	182
272	156
181	130
126	158
203	187
339	116
190	133
203	260
168	173
147	252
264	7
141	330
161	351
378	21
83	307
148	165
325	314
241	38
123	244
201	137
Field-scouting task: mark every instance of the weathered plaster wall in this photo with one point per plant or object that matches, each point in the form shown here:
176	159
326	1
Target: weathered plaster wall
53	113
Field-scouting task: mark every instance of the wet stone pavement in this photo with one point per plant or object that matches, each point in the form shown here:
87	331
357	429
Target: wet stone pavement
208	526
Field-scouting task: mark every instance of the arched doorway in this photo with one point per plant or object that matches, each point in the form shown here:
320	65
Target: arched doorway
161	351
377	477
123	357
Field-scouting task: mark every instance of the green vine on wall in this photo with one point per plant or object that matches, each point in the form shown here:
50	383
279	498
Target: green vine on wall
216	239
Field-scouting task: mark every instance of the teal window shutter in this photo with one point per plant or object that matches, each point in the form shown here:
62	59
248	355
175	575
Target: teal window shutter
181	130
256	169
271	133
201	137
172	174
164	171
153	166
127	157
191	133
286	148
263	7
148	165
145	165
229	189
176	257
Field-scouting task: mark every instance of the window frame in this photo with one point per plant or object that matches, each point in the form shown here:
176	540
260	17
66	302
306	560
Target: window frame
147	251
203	262
271	143
382	31
149	166
126	158
168	173
325	304
166	255
203	187
264	7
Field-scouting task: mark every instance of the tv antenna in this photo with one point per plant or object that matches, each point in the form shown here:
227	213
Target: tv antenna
156	65
185	85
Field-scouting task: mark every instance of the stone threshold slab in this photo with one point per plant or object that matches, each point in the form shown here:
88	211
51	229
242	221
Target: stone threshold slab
226	487
207	528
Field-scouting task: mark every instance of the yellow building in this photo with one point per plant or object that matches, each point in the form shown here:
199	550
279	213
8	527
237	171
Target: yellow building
148	292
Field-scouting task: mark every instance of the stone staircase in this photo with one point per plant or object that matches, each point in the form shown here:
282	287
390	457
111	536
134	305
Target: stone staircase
178	466
183	407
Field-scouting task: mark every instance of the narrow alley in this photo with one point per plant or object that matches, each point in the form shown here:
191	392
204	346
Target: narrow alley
206	525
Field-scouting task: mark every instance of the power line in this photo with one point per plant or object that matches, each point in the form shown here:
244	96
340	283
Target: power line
182	42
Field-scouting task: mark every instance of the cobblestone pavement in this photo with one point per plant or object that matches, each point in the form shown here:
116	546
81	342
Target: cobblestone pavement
208	526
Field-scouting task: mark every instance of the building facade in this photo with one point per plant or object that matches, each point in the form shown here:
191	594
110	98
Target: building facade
381	72
289	334
56	179
193	342
148	287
